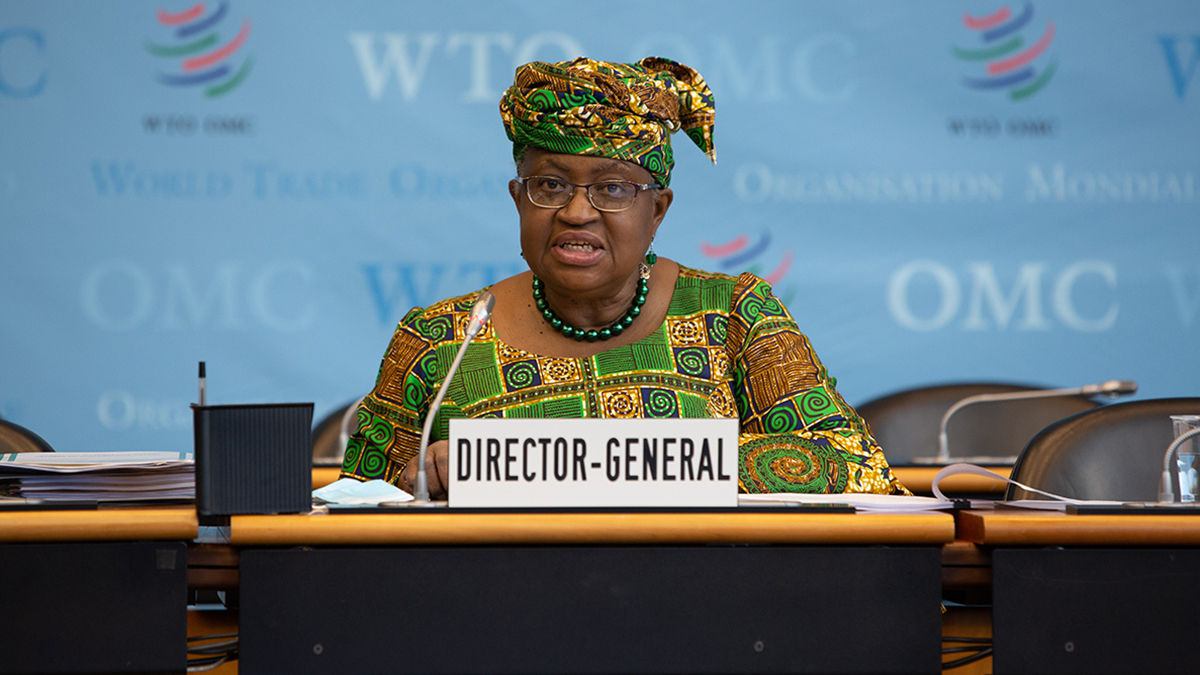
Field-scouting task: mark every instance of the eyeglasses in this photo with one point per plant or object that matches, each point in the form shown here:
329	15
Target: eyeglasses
609	196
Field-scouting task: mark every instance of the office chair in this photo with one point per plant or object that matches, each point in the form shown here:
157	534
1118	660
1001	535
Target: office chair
906	423
331	433
1114	452
16	438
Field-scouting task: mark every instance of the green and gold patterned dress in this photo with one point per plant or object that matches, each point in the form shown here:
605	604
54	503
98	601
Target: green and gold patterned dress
727	348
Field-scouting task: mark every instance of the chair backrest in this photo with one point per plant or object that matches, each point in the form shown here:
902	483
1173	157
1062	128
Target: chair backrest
328	442
16	438
906	423
1114	452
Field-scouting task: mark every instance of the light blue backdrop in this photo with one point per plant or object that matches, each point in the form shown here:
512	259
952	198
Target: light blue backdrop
925	218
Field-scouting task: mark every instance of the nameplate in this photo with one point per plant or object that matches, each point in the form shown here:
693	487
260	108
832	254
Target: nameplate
506	463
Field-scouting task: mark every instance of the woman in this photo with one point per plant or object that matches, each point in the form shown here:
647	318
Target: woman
600	326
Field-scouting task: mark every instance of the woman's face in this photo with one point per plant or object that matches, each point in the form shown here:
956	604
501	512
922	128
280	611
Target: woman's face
575	248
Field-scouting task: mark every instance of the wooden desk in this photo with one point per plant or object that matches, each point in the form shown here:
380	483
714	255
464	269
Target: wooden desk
602	592
919	479
176	523
1090	593
100	590
1025	527
670	541
447	527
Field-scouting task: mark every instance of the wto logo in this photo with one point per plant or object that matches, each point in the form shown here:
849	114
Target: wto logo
1006	60
196	52
740	255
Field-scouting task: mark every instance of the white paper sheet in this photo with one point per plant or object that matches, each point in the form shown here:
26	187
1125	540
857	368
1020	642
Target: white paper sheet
78	462
861	502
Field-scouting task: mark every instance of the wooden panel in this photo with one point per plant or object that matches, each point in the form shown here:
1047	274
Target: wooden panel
212	566
103	524
966	566
578	528
1041	527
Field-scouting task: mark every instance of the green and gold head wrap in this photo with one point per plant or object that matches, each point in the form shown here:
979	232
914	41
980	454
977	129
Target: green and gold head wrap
621	110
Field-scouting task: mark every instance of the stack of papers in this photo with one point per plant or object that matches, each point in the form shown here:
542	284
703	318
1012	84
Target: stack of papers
136	476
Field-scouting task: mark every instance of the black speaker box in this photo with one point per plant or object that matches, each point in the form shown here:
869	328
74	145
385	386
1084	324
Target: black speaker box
591	609
93	607
252	459
1095	610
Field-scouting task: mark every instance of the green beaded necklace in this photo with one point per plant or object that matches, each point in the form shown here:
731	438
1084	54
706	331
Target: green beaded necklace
617	327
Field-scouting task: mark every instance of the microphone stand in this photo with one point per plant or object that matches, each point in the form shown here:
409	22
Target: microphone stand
479	316
1111	388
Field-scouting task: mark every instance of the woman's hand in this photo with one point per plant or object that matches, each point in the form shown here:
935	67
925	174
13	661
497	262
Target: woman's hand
437	471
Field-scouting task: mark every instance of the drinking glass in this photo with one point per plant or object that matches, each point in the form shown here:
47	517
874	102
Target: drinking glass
1187	457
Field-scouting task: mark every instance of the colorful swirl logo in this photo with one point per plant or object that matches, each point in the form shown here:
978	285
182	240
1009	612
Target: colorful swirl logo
200	57
1007	60
741	255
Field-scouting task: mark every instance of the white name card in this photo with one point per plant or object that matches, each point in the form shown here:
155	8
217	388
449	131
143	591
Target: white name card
506	463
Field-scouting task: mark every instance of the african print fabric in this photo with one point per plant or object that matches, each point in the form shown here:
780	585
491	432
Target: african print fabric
727	348
620	110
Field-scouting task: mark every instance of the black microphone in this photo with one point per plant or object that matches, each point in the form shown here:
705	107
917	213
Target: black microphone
1110	388
479	316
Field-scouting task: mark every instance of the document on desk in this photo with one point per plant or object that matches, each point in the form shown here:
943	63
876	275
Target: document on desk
76	462
135	476
860	502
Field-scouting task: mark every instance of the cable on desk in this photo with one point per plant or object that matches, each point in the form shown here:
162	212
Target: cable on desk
201	665
214	636
215	648
952	650
983	653
980	648
211	655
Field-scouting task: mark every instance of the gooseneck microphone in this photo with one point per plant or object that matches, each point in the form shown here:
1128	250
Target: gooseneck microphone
1110	388
479	316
